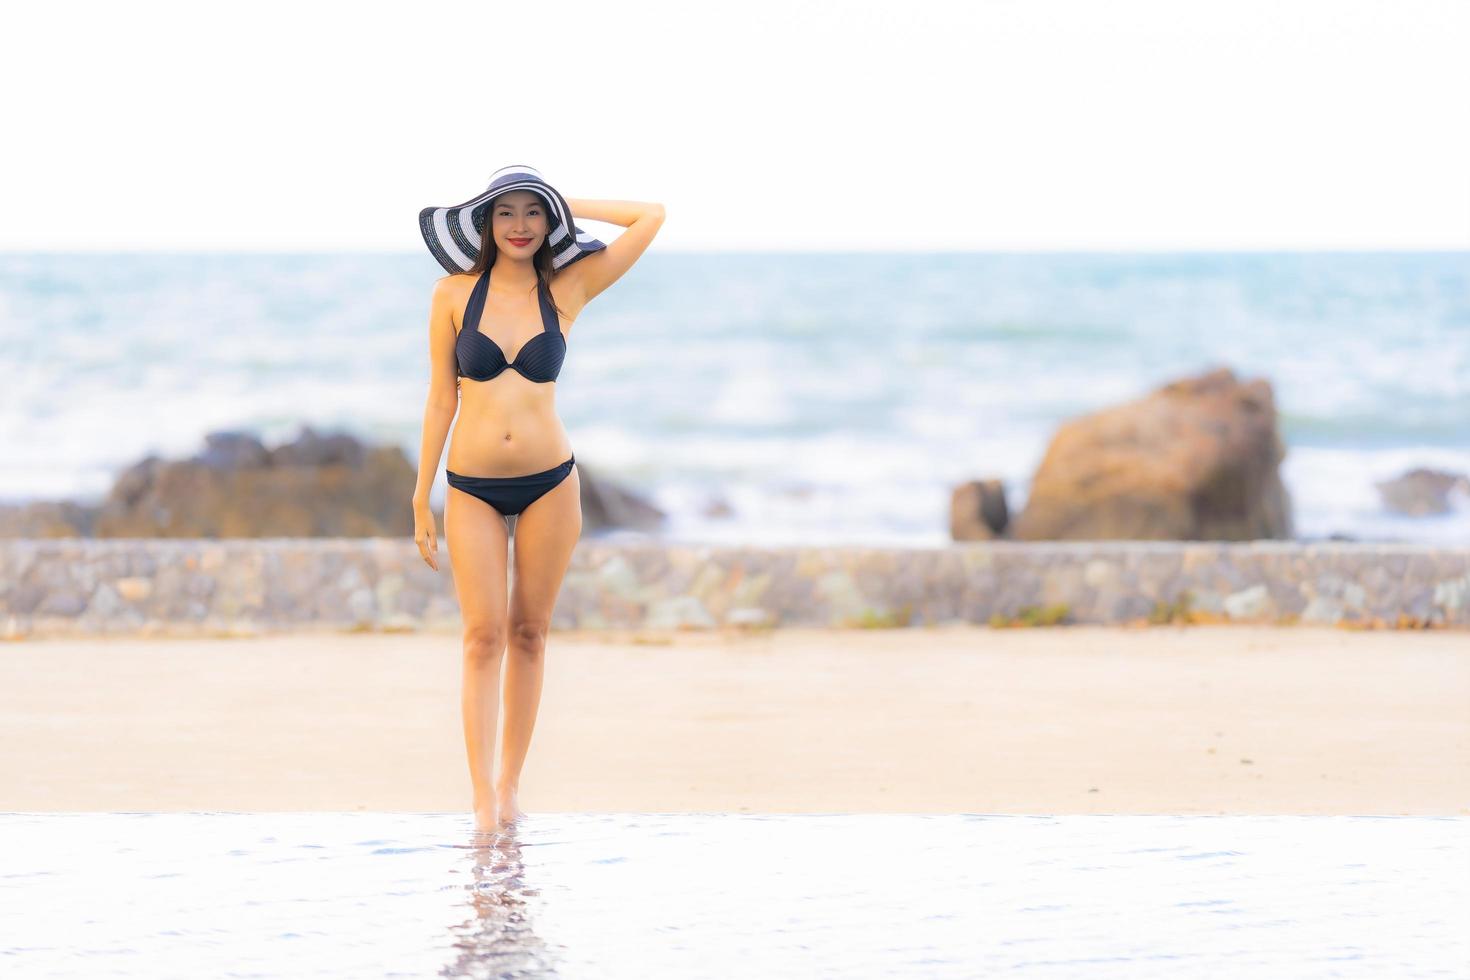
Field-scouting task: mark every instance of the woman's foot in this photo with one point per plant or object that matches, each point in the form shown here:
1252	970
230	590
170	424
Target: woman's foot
507	805
487	816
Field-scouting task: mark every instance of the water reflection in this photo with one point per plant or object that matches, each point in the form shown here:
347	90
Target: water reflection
498	936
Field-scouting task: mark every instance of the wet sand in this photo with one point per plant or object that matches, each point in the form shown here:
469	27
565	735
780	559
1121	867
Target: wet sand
1195	720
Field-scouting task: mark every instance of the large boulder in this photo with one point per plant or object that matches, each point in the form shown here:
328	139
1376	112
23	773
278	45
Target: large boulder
1195	460
315	486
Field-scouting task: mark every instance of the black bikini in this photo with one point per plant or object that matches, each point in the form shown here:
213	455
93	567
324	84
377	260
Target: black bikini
479	358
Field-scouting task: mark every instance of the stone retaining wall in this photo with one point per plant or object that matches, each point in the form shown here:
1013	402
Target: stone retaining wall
244	586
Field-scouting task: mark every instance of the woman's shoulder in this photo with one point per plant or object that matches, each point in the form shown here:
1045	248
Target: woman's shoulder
453	282
451	291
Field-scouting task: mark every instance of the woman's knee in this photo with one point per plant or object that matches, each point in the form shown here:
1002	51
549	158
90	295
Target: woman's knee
528	636
484	641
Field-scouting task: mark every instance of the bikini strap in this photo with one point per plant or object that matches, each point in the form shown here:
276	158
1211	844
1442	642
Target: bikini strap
476	306
549	321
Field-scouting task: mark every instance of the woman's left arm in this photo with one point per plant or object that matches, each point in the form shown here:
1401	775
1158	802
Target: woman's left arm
606	266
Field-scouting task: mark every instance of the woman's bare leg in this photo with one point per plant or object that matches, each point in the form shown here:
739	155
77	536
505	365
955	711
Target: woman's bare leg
546	534
476	536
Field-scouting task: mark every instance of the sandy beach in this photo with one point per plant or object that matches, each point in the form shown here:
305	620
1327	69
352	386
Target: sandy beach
1200	720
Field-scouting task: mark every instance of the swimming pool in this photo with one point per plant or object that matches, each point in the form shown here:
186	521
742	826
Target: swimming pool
693	895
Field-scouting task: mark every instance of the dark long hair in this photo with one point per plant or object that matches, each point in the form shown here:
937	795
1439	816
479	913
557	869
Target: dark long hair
541	260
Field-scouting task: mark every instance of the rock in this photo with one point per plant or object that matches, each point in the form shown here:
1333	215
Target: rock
718	507
678	612
752	616
1249	604
977	511
1421	491
46	519
133	482
607	505
315	486
233	451
318	485
310	449
1195	460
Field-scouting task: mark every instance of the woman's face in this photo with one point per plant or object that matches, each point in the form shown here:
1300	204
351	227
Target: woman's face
519	223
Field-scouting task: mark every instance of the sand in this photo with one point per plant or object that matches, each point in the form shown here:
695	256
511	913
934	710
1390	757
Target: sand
1072	720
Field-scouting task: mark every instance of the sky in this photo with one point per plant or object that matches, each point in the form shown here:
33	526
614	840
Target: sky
984	125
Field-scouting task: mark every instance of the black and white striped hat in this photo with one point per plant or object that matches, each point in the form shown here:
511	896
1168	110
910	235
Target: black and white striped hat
453	233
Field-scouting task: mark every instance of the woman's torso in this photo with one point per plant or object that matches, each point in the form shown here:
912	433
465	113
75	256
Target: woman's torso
507	425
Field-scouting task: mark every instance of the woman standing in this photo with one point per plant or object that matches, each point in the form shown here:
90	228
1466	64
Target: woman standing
520	273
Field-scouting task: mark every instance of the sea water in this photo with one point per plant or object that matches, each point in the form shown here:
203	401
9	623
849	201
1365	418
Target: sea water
706	895
764	398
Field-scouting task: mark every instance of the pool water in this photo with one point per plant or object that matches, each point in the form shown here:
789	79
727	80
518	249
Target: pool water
693	895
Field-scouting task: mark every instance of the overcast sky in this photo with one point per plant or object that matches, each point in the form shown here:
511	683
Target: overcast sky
1019	124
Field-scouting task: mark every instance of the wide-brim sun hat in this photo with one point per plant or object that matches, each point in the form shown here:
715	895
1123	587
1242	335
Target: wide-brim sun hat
453	233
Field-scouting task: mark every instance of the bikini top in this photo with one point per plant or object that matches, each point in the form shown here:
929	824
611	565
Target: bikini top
479	358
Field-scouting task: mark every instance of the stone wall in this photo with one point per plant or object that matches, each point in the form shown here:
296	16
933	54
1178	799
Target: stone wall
244	586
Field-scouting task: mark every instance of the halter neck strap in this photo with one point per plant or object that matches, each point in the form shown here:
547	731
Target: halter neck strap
549	320
475	308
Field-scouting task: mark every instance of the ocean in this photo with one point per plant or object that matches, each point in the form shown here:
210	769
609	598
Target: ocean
763	398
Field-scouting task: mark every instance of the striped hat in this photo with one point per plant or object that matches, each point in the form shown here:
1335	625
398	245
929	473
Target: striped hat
453	233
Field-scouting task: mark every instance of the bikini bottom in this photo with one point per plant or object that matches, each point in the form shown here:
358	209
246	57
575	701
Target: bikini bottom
512	494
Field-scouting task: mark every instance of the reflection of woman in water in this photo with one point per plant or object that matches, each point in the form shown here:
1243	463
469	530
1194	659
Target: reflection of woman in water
520	273
498	938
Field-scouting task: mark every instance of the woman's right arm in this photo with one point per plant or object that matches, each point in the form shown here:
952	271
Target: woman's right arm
439	412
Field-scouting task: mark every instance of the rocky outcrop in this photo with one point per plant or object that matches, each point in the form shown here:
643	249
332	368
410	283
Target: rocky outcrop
1422	492
1195	460
606	505
315	486
318	485
978	511
46	519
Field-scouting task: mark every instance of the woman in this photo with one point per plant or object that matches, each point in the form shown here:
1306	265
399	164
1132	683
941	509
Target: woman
520	273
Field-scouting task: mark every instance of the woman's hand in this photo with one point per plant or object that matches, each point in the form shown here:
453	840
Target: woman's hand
425	535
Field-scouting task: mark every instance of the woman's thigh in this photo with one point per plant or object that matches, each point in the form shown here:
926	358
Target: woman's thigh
476	536
546	534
